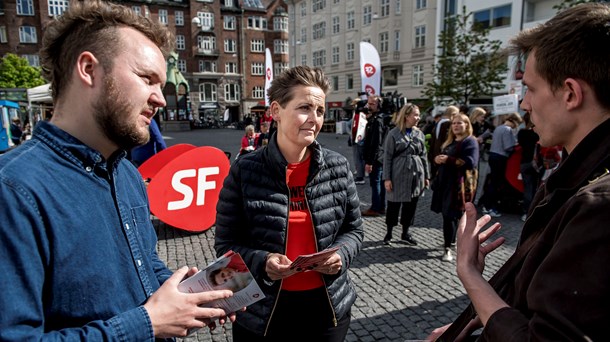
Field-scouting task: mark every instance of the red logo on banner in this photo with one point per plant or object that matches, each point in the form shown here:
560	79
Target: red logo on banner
369	89
184	193
369	69
269	74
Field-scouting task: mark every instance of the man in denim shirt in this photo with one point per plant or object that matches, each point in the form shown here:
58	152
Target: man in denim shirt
77	247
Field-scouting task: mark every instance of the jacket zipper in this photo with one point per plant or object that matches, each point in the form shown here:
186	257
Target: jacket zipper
285	247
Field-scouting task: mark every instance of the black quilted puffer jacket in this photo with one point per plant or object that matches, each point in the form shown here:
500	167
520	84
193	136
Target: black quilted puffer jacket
252	217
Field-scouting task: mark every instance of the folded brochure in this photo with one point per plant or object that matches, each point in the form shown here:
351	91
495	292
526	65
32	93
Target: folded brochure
311	261
229	272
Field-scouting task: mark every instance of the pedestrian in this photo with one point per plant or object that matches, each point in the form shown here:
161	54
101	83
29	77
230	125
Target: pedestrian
439	136
248	141
373	155
357	139
78	249
406	171
264	135
530	162
554	287
15	130
456	182
293	198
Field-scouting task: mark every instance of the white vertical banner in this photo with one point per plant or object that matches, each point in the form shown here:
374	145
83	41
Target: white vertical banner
268	74
370	69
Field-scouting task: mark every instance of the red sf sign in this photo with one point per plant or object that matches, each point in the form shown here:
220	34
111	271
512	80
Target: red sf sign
369	89
369	69
184	193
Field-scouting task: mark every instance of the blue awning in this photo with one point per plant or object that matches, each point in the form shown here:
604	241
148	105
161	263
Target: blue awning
6	103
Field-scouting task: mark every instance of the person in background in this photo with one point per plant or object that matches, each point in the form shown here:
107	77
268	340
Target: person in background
502	144
248	141
78	249
406	171
456	183
263	136
530	162
15	130
439	136
481	128
357	141
155	144
373	156
293	198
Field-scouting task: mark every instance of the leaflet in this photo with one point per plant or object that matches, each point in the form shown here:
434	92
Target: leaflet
310	261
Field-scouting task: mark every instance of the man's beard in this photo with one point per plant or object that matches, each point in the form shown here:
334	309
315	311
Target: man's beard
112	112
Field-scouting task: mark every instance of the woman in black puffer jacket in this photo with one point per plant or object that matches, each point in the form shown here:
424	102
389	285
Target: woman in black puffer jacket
288	199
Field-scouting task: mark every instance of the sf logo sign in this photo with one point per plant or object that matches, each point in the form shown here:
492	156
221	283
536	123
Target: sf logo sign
184	185
369	69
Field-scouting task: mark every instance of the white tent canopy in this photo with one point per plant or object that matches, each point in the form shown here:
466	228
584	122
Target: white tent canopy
40	94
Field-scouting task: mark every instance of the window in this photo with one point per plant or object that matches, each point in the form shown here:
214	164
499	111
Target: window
396	40
228	3
385	8
27	34
420	36
33	60
493	17
367	15
229	45
163	16
384	42
57	7
303	35
228	22
206	20
257	23
179	18
351	20
319	30
258	92
335	55
303	59
182	65
137	10
279	68
336	25
257	69
207	92
232	92
319	58
335	83
206	42
398	7
207	66
280	24
231	68
280	46
318	5
390	77
349	52
3	38
25	7
303	8
420	4
180	42
349	82
418	75
257	45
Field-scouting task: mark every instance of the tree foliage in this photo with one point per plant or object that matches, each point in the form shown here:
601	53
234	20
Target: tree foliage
570	3
15	72
469	64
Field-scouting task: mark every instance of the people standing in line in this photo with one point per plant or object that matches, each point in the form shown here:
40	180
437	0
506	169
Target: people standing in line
78	249
15	130
406	171
554	287
357	141
373	156
439	136
155	144
530	162
456	182
503	143
289	199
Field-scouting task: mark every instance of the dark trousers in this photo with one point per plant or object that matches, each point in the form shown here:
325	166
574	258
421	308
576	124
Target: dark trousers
449	228
531	179
407	214
300	316
497	165
377	190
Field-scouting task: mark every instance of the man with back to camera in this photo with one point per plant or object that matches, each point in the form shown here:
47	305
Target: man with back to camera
554	287
78	249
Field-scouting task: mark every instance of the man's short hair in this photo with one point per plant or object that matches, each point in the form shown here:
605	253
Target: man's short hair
92	26
575	43
281	89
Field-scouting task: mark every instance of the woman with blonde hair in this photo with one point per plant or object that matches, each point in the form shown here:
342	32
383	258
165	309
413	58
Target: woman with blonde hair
406	171
456	182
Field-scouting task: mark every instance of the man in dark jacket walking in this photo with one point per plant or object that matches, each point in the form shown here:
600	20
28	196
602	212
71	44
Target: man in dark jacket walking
373	156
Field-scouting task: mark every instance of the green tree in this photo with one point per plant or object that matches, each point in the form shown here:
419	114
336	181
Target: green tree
469	64
15	72
570	3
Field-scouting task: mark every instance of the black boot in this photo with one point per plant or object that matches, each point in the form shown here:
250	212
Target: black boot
388	236
407	238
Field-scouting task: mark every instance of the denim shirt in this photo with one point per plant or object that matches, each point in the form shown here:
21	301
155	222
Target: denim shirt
77	249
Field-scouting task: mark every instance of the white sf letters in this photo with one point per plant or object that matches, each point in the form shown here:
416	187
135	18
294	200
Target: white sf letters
187	192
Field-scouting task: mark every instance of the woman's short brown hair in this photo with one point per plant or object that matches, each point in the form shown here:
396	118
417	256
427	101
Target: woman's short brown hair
282	86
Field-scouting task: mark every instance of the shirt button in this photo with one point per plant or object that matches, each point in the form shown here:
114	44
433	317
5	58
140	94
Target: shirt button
127	226
139	262
88	168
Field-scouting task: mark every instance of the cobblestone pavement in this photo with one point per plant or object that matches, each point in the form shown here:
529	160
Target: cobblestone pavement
403	292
